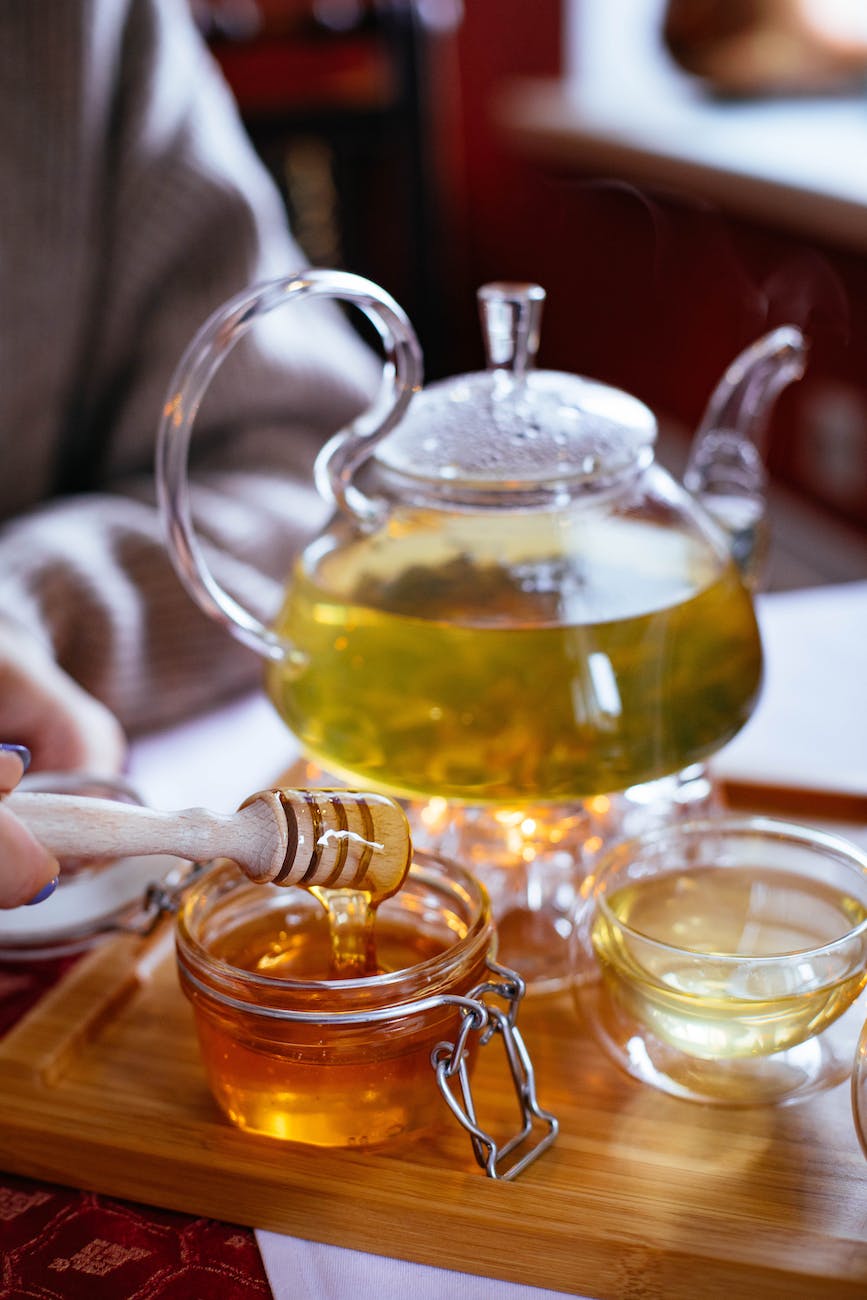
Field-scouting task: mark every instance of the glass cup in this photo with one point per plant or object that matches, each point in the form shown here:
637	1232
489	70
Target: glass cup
859	1090
716	959
293	1053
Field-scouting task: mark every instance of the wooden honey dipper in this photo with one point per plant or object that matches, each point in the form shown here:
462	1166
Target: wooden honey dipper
334	839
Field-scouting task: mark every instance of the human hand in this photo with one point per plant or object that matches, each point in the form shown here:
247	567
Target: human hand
64	727
28	872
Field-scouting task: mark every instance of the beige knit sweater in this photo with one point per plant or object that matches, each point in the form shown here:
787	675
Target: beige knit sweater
131	205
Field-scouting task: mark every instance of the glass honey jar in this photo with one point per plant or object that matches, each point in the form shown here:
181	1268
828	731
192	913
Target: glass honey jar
294	1053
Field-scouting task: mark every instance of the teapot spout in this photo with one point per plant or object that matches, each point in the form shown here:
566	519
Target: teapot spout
726	469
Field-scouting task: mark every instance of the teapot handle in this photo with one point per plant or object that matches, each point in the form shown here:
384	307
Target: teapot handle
725	469
336	463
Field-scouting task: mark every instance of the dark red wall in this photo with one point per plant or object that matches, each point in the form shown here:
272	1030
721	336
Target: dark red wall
657	292
652	292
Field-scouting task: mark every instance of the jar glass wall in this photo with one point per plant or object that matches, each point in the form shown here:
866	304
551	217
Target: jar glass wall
294	1054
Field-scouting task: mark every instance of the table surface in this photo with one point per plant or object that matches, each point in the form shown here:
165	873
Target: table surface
59	1242
783	160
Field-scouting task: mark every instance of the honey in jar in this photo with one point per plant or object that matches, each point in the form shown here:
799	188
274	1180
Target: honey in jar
294	1052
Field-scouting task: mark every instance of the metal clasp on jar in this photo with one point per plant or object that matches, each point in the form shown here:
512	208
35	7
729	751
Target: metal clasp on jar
162	898
449	1061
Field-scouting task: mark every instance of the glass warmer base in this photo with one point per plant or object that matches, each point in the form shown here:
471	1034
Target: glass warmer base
534	861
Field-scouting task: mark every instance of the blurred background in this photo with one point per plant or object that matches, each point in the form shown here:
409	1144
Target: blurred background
600	149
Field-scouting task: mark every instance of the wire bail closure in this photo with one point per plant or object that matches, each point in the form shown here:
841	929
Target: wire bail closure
162	898
449	1061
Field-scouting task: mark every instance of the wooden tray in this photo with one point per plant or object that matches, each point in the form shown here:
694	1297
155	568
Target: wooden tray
641	1196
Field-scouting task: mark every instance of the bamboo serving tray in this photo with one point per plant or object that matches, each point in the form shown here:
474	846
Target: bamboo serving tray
642	1196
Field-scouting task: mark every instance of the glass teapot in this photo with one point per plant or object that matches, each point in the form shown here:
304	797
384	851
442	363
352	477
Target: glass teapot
512	602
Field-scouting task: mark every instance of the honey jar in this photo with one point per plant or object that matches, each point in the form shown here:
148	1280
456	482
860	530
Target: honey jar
294	1053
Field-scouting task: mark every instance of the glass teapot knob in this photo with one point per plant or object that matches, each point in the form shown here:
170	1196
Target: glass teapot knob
511	315
339	459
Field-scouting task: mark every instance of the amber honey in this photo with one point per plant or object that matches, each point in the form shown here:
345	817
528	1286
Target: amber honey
562	660
295	1053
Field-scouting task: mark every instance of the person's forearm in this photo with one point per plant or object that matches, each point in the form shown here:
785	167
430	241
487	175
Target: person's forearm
91	578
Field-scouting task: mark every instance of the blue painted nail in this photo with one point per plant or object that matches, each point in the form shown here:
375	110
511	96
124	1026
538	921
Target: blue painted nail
22	751
45	892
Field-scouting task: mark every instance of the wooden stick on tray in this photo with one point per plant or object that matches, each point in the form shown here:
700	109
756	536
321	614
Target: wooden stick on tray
336	839
795	801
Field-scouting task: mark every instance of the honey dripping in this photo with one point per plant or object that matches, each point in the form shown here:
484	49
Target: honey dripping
351	917
364	837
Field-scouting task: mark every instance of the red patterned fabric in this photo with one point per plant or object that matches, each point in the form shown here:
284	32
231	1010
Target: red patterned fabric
60	1244
22	985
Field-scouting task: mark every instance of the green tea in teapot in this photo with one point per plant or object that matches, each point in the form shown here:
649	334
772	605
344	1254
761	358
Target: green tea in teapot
514	602
495	658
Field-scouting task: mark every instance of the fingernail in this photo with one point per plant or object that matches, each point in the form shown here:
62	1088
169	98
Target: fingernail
45	892
22	751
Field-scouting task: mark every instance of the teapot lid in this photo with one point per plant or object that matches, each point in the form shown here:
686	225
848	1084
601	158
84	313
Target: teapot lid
512	429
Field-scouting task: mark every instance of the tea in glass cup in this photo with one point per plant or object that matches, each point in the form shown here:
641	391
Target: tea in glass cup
716	959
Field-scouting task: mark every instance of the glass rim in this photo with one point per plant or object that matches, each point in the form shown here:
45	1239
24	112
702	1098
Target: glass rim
831	844
425	868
